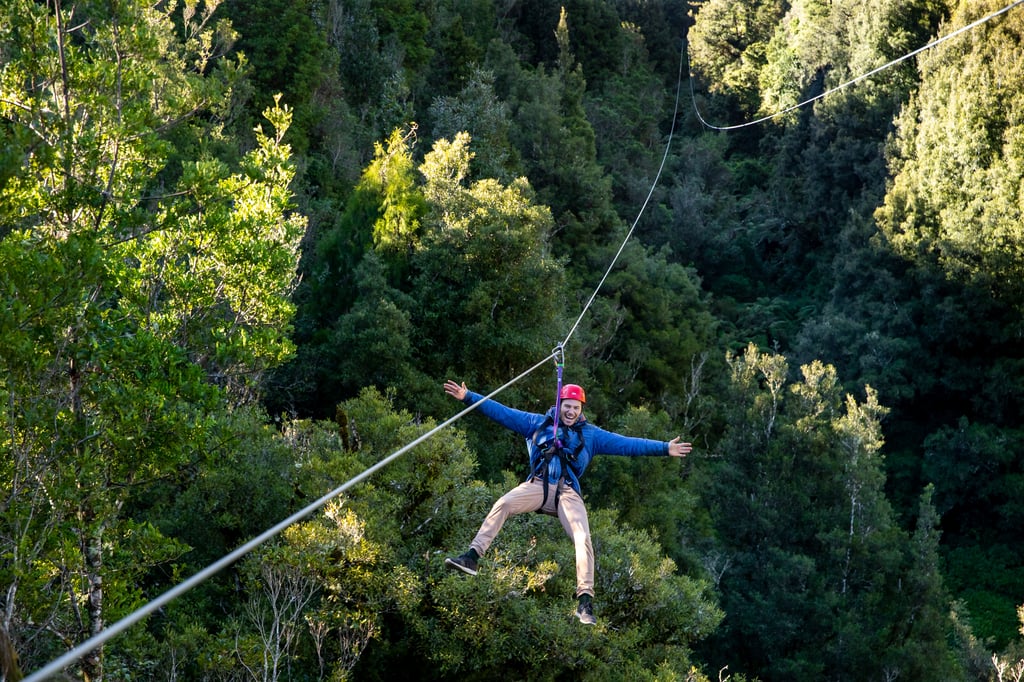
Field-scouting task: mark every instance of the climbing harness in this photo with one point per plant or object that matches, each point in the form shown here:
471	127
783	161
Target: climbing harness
550	445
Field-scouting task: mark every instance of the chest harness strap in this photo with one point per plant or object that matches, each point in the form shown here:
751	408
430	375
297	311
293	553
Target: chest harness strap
553	448
548	451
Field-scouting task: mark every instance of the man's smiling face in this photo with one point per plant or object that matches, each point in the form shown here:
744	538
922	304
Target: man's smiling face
570	411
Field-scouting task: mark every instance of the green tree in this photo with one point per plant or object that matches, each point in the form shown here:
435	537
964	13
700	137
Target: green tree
728	44
557	147
489	292
644	344
477	110
799	178
382	215
805	533
952	211
460	265
977	487
956	196
596	35
459	33
625	113
350	305
925	652
288	47
141	297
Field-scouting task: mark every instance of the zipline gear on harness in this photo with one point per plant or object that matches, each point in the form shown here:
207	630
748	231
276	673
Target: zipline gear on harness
550	446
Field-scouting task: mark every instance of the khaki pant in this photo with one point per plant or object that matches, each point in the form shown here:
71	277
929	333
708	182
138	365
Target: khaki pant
528	497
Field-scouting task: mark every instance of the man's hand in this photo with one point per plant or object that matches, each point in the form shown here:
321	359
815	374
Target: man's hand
458	391
677	449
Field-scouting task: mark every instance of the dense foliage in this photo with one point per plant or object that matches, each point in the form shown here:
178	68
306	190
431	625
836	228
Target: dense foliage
243	243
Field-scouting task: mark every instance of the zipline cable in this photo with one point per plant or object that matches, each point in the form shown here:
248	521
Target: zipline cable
872	72
99	639
94	642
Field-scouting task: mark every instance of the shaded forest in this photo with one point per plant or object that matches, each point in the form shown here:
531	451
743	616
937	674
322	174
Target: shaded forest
244	242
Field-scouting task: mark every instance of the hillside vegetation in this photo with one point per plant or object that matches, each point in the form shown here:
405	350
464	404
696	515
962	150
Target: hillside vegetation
244	242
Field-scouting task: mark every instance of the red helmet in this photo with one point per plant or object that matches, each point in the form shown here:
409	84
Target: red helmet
573	392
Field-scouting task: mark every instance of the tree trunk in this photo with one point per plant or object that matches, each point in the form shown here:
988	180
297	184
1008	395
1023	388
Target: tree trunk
92	663
10	671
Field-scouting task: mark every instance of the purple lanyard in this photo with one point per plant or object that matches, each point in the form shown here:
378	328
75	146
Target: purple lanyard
559	363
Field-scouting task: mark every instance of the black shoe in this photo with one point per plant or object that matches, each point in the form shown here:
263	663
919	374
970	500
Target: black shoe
464	562
585	612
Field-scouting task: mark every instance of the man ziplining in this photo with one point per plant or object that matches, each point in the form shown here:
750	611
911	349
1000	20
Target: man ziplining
558	458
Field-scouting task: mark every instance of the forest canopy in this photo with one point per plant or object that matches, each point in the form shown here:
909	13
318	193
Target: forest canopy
243	244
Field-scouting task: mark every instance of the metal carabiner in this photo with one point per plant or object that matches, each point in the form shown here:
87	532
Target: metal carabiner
558	354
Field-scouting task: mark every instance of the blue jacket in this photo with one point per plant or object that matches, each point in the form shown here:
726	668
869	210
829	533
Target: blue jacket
595	440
